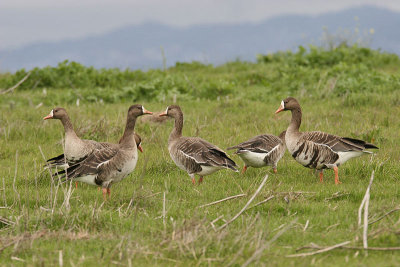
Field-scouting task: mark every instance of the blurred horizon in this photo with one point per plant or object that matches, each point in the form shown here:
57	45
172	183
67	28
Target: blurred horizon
99	34
28	22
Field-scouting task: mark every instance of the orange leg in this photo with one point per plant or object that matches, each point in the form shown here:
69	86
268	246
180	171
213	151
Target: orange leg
244	169
201	179
193	180
275	170
105	193
76	185
321	177
336	170
108	192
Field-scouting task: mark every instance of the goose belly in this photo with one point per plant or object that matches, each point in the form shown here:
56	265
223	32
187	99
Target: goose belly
206	170
88	179
126	169
178	162
315	156
253	159
74	153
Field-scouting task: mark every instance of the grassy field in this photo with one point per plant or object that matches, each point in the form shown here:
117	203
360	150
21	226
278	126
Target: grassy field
47	223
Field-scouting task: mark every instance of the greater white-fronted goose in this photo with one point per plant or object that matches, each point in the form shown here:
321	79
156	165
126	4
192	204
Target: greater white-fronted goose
193	154
319	150
110	164
76	149
262	150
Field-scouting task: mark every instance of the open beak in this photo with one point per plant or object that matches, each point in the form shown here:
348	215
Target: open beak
281	108
140	148
163	114
145	111
50	116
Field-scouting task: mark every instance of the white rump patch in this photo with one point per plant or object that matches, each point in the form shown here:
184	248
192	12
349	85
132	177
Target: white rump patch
206	170
253	159
345	156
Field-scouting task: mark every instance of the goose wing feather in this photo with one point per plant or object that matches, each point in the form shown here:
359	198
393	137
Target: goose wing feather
336	143
205	153
93	164
259	144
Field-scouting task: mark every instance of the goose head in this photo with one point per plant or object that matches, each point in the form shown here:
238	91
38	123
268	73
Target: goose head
172	111
289	103
56	113
137	110
138	141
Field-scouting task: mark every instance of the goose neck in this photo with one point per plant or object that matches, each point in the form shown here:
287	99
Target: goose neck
128	136
177	130
296	120
68	128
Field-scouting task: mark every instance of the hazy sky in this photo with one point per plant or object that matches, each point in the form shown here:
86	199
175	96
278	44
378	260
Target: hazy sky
28	21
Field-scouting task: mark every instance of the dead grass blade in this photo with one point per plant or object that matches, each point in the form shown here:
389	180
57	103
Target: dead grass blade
384	215
222	200
261	202
326	249
258	252
245	206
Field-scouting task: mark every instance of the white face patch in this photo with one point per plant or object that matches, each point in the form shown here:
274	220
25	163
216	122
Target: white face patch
142	109
282	104
51	113
166	111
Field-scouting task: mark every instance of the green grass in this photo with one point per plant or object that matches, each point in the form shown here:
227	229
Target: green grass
129	228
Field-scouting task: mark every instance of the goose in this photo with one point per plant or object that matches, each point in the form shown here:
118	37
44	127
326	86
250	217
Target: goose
193	154
61	161
76	149
262	150
109	165
319	150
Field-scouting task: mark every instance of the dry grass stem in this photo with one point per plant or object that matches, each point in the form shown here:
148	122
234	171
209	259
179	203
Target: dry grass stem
364	199
383	216
318	251
261	202
245	206
258	252
222	200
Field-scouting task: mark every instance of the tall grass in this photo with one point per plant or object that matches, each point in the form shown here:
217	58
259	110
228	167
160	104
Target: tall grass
154	216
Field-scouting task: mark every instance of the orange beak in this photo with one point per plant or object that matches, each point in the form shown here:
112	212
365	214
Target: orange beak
163	114
145	111
48	117
281	108
140	148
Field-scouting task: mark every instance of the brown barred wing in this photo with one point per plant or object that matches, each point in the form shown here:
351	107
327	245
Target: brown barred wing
205	153
259	144
93	164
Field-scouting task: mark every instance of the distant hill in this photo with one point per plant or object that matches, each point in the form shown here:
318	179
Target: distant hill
138	47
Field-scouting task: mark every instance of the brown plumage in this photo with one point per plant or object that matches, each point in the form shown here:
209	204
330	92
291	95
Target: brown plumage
76	149
193	154
111	164
319	150
262	150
